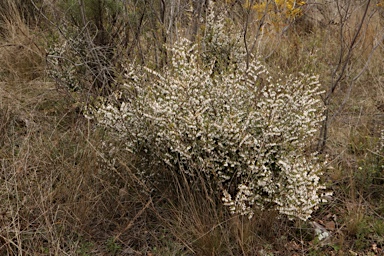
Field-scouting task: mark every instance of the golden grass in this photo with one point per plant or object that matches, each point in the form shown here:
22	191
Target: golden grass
22	55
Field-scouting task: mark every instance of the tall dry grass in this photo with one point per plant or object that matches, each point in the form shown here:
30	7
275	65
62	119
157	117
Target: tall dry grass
22	53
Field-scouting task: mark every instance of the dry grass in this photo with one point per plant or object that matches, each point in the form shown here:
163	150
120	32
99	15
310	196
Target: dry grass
22	55
60	194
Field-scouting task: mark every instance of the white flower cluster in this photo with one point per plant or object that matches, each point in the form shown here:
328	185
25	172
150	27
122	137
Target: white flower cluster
222	42
77	64
65	63
247	133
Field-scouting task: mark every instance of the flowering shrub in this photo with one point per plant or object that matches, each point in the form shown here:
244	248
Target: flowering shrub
246	132
222	41
77	64
66	66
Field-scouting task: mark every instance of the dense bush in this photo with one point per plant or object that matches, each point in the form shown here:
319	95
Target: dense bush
83	48
247	132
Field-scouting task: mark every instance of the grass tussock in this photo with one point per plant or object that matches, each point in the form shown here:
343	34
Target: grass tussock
67	188
22	54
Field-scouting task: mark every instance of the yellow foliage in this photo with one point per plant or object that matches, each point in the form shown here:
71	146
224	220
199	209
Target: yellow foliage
289	9
278	12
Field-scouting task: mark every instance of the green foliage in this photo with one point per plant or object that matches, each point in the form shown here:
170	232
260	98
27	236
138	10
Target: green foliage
85	248
369	175
112	246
